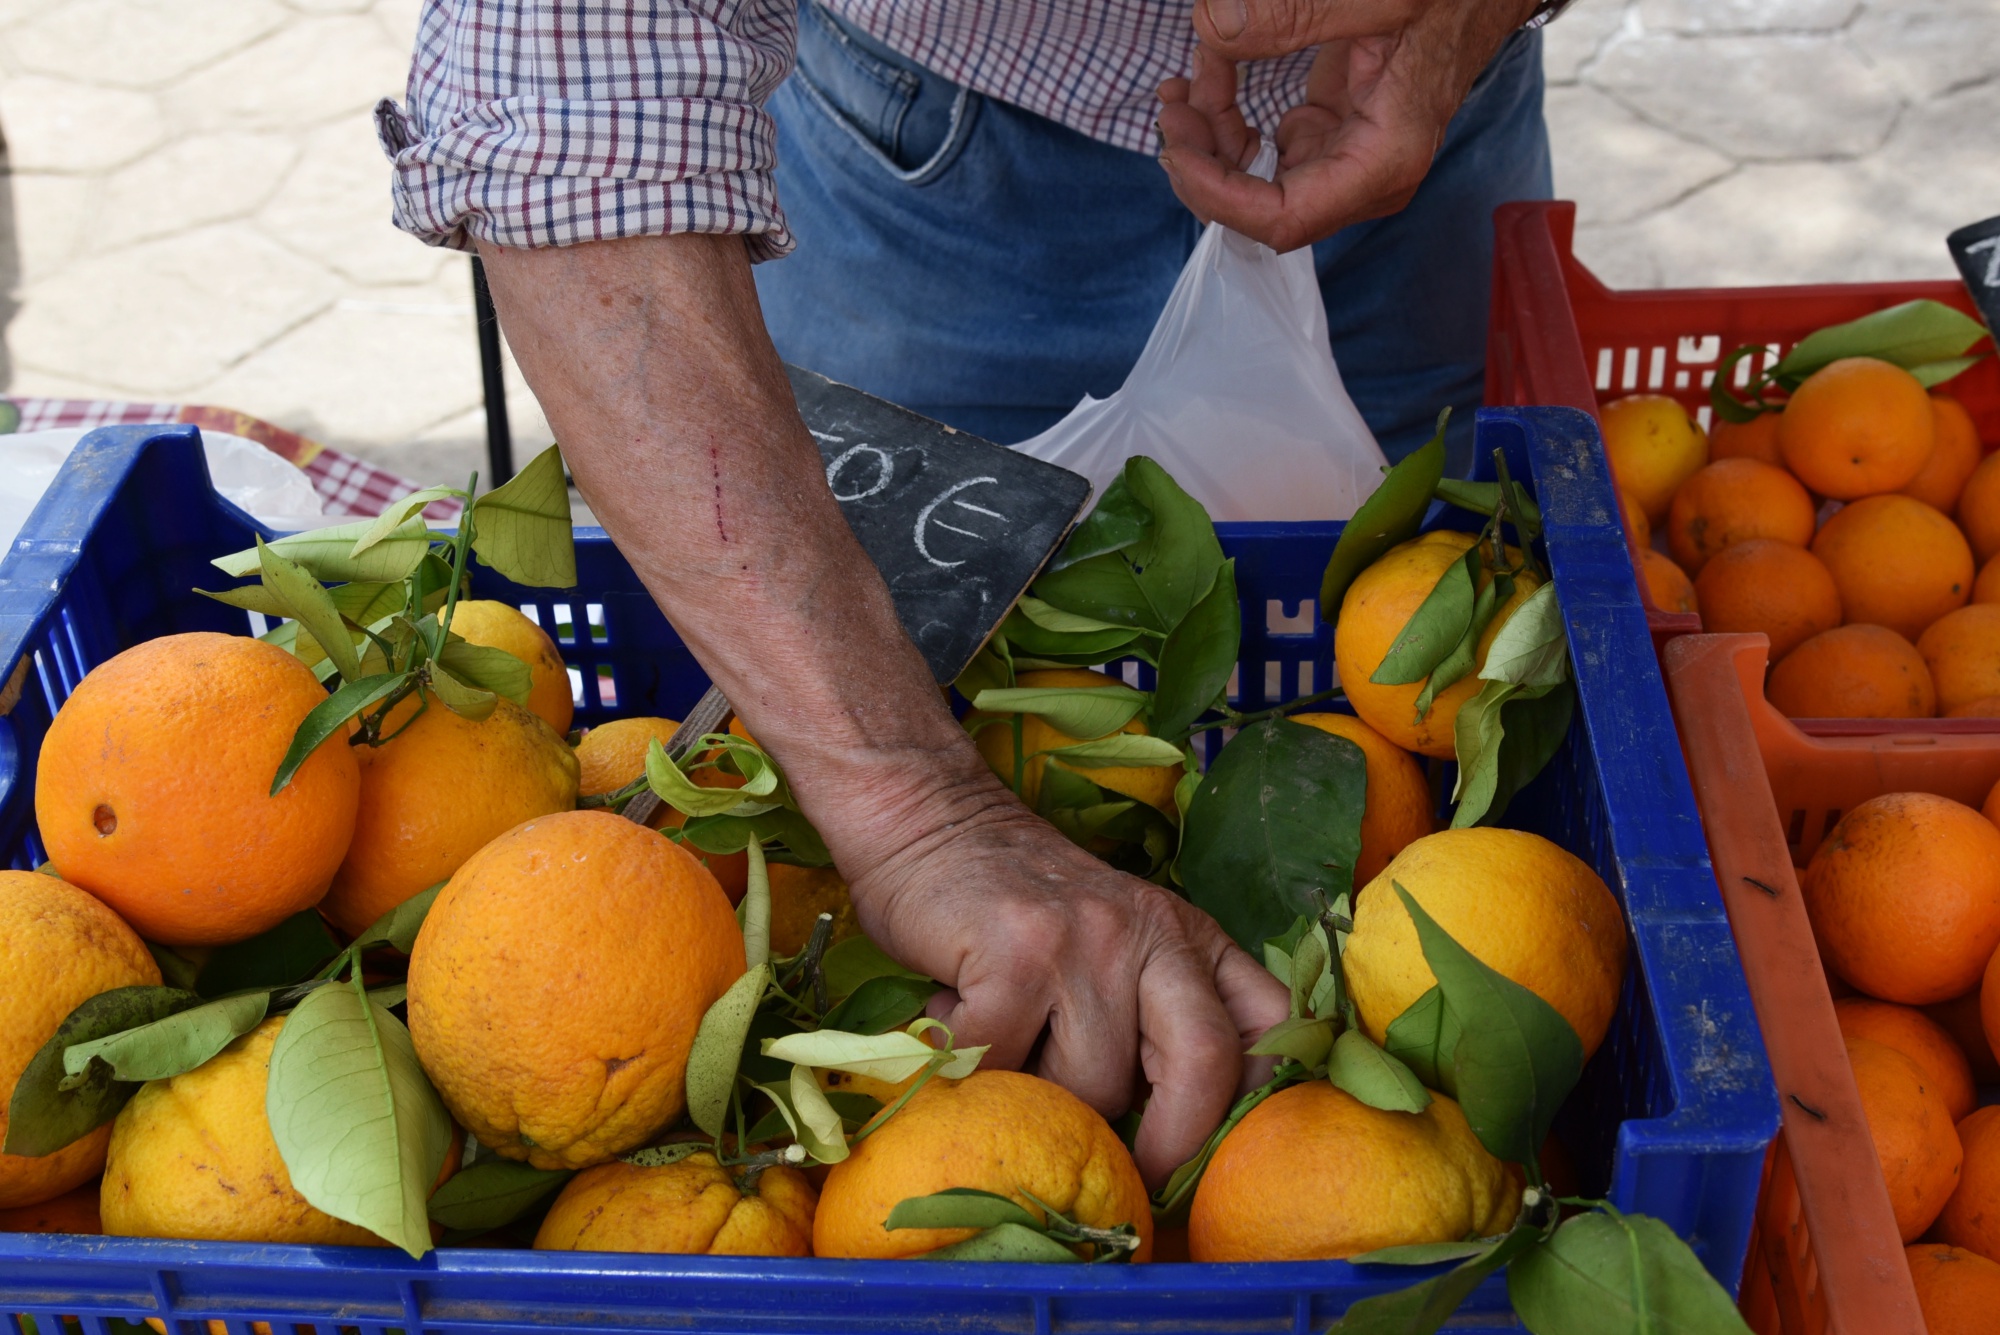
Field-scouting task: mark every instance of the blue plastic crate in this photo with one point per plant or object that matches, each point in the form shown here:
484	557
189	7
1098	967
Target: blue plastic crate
1672	1116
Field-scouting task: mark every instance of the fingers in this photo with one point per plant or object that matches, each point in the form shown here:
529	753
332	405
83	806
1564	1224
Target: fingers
1192	1054
1092	1045
1259	29
993	1012
1255	1000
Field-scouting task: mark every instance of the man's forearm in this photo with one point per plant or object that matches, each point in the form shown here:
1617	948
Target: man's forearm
652	362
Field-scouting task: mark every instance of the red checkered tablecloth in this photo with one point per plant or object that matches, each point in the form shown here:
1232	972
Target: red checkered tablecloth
346	485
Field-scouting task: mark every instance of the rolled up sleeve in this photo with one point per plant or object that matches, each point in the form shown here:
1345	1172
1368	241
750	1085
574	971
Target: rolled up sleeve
554	122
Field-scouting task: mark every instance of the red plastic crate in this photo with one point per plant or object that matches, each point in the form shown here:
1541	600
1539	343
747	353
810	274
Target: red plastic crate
1559	336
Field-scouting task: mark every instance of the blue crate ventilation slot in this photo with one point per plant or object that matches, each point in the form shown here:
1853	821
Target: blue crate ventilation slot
1672	1117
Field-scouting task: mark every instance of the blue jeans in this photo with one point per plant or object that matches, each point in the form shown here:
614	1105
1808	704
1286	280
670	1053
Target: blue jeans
987	267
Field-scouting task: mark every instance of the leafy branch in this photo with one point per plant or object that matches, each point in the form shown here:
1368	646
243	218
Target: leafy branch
1927	338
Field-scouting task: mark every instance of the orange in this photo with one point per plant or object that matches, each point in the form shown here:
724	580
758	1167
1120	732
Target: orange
1953	457
1525	907
1653	447
1986	706
58	948
1756	439
692	1207
1979	508
1152	784
153	790
1897	563
1904	896
1962	650
1960	1017
1857	427
1399	796
1770	586
1989	1002
1918	1037
1732	501
1636	522
1990	808
498	626
1667	583
798	896
1378	604
558	981
1000	1131
1957	1291
1853	672
434	794
71	1212
1971	1218
1314	1174
1914	1140
1986	586
613	754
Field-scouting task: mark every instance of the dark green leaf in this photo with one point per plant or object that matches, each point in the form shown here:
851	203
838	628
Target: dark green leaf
1274	828
493	1192
1006	1242
1517	1058
959	1207
172	1044
42	1115
176	969
487	669
400	925
1311	961
1505	755
1390	516
718	1049
1423	1307
856	1110
1083	826
1437	625
1424	1253
522	529
1423	1039
1722	395
1477	733
1373	1076
329	717
881	1004
732	834
989	670
1457	665
1077	711
1198	657
1102	587
1118	520
1483	498
853	962
1610	1274
291	952
1909	334
1176	558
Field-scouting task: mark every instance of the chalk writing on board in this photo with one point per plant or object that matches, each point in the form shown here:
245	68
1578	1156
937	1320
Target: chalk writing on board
1991	246
844	483
927	517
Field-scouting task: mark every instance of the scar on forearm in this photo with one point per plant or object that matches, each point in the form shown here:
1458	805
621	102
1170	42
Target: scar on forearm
715	468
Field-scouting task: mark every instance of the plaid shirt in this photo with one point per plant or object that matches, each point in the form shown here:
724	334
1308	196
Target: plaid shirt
535	123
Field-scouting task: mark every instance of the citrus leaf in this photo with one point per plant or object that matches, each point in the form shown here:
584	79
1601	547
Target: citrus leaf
1722	397
493	1192
1373	1076
400	512
1427	1305
365	603
174	1043
43	1115
1303	1039
1175	560
327	554
1007	1242
1119	750
488	669
1932	374
1424	1253
959	1207
362	1133
1078	711
400	925
1170	1202
308	604
251	598
1391	515
466	701
291	952
1118	520
1531	648
1605	1273
718	1049
1513	732
1436	627
881	1004
1102	588
820	1128
893	1057
1483	498
1477	732
522	529
329	717
1910	334
1516	1059
755	910
391	996
1274	828
683	794
1423	1038
1310	962
989	670
1198	657
1052	618
1464	656
850	963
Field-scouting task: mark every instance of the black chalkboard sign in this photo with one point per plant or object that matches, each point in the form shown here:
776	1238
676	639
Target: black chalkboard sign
957	525
1976	250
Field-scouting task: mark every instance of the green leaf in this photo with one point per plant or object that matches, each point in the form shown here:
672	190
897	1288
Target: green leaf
291	952
1303	1039
329	716
1483	498
308	604
989	670
1511	734
959	1207
1007	1242
1118	520
893	1057
1932	374
1083	826
522	529
465	700
1373	1076
1311	961
1605	1273
1517	1058
881	1004
1457	665
850	963
487	669
1274	828
400	512
1477	733
755	910
365	603
1077	711
1722	396
718	1049
1030	644
821	1129
251	598
327	554
48	1109
1051	618
1425	1306
176	969
1102	588
1116	751
1170	1202
1436	627
390	996
1176	558
1423	1039
400	925
1390	516
1531	648
1198	657
683	794
360	1129
493	1192
1910	334
1424	1253
172	1044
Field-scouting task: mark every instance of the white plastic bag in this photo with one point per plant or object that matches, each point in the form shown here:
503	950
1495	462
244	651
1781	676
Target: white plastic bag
1236	393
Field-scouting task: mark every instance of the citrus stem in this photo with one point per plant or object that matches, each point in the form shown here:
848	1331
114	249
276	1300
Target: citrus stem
461	548
875	1123
1231	719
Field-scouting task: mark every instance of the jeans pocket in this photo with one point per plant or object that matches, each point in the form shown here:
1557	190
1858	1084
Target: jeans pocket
909	120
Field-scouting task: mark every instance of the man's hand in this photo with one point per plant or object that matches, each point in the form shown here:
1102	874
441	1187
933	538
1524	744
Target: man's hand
1387	78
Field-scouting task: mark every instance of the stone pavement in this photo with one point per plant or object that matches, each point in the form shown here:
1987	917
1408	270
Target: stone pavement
194	208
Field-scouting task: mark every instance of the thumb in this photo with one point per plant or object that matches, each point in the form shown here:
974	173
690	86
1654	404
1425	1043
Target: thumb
1260	29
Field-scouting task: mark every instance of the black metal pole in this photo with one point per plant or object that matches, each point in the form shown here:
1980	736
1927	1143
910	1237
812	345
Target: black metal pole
499	439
